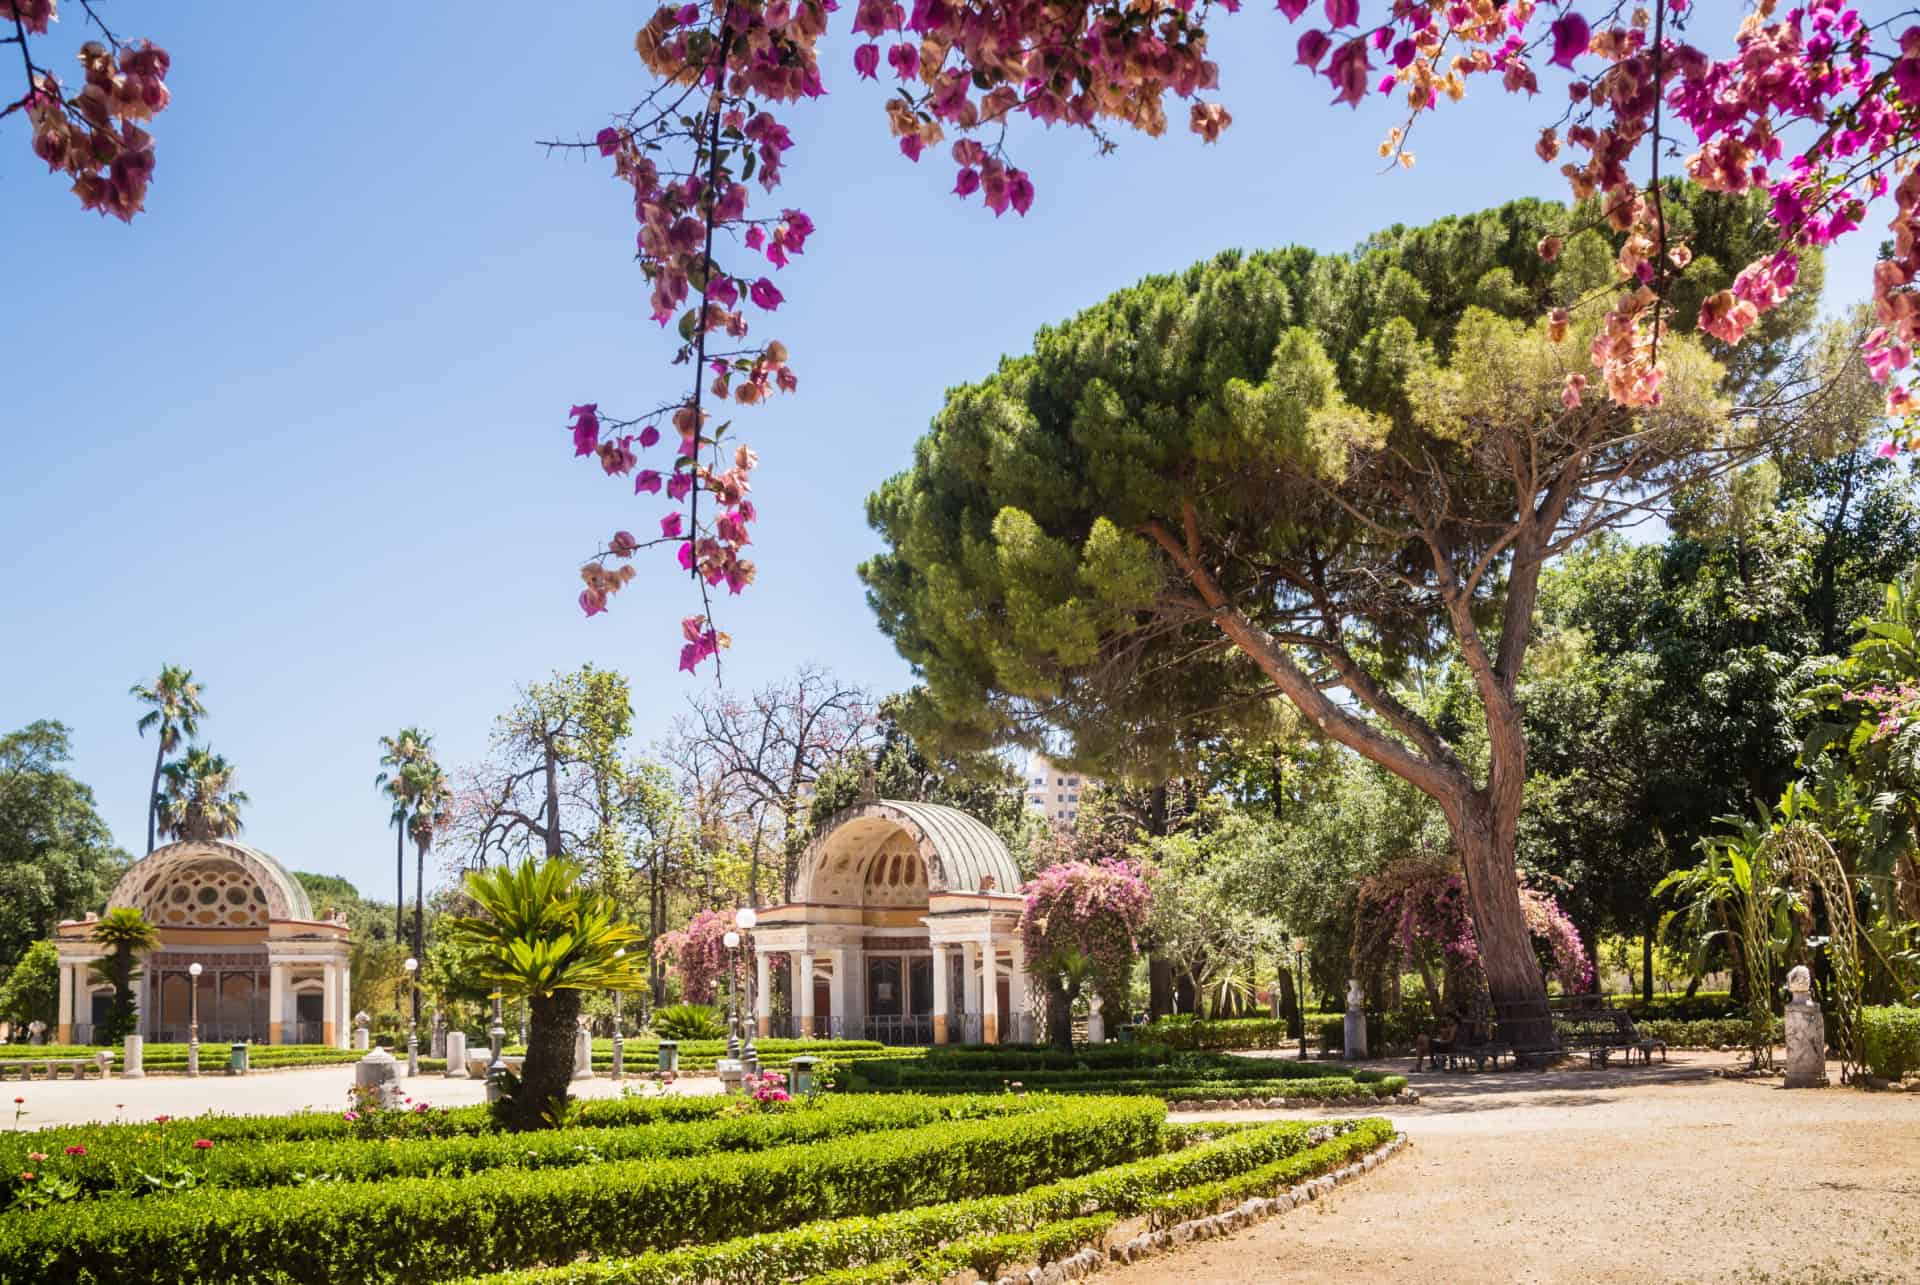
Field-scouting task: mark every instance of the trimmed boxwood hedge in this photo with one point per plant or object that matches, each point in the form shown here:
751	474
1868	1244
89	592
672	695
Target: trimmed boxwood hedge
983	1255
112	1165
1123	1190
412	1229
1890	1041
1146	1069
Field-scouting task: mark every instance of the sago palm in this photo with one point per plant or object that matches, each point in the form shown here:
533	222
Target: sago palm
175	712
199	801
544	938
127	934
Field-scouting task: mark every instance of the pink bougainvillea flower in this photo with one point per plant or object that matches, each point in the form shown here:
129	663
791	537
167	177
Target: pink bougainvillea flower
1571	392
1571	36
608	140
966	183
1349	72
765	294
686	556
586	428
646	480
1343	13
866	61
649	435
1019	191
670	525
1292	8
623	544
1888	450
678	486
593	601
1312	48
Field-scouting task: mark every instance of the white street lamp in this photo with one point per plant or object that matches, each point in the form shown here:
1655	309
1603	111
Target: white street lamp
732	942
619	1040
744	919
193	1021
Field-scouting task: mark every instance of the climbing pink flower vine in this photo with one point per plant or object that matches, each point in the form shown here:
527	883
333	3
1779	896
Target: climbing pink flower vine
1090	912
1416	907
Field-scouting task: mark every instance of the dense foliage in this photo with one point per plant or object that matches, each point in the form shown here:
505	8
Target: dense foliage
57	857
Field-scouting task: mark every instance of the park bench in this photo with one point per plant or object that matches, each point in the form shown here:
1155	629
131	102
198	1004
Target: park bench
1600	1033
1473	1040
79	1066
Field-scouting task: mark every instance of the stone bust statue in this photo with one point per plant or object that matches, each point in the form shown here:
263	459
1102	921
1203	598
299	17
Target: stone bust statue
1799	981
1356	997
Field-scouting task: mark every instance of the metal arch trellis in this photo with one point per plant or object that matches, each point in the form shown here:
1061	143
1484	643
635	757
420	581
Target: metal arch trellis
1814	866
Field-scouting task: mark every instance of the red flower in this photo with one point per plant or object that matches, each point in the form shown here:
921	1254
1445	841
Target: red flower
201	1144
76	1150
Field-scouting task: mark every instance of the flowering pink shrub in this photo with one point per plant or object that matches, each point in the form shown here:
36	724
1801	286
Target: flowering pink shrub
1086	914
700	953
1416	906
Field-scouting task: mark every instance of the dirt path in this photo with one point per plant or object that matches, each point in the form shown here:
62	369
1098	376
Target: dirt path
1665	1174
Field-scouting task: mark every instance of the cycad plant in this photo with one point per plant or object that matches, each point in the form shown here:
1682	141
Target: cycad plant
127	934
175	712
543	937
199	801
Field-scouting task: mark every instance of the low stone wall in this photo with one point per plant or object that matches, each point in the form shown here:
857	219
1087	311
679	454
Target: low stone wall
1255	1208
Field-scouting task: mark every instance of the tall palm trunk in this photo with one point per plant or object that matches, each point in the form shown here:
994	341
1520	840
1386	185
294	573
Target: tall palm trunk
419	919
548	1070
153	791
399	879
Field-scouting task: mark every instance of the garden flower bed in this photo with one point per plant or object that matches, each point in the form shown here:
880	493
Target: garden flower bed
1124	1069
635	1189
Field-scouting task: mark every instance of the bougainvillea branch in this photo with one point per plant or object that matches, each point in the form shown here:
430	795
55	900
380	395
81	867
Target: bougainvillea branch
1814	103
94	135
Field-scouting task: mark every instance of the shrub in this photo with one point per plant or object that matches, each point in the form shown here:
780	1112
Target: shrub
1236	1033
689	1022
822	1247
115	1166
1204	1198
1890	1041
408	1229
1714	1033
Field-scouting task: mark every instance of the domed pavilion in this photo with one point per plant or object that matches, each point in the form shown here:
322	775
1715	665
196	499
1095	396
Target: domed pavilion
904	927
270	970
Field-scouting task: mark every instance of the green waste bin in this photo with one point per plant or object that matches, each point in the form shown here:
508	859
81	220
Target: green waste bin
237	1059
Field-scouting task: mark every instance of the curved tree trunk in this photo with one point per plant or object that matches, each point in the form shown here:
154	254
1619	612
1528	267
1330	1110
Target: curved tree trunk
1514	982
548	1070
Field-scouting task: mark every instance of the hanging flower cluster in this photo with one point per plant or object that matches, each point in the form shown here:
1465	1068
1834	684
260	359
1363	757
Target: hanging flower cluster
1893	708
95	135
700	953
1086	912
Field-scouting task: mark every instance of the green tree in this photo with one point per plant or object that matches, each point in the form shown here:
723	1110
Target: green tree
541	936
401	780
57	858
174	713
32	989
127	935
1302	472
199	801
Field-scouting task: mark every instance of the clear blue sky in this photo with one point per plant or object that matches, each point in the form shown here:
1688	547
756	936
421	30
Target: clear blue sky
301	426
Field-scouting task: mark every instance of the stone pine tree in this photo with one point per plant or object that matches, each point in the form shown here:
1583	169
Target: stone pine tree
1301	475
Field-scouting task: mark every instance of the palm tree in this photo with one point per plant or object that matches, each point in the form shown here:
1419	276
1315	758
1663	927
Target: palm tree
544	938
199	801
176	712
397	753
127	934
432	810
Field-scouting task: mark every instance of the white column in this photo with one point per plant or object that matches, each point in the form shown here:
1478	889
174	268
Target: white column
1017	988
341	1036
63	1032
277	1016
330	1003
989	991
972	974
941	1009
803	999
837	985
763	992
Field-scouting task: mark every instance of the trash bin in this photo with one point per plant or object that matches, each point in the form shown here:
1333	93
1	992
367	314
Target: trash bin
237	1059
801	1070
669	1055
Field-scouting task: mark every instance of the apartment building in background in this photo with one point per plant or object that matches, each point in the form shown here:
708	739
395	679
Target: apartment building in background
1053	790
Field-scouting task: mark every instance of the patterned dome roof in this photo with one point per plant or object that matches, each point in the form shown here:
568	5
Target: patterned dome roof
211	883
957	852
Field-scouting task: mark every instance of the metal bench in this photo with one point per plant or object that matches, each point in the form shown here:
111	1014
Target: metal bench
1600	1033
26	1066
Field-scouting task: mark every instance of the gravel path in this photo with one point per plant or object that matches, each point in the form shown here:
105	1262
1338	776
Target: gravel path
1662	1174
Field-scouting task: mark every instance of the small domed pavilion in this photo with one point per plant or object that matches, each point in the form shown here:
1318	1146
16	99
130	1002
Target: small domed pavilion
271	971
904	927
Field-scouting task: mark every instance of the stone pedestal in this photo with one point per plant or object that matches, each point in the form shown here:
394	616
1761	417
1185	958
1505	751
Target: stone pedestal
619	1054
730	1070
1356	1023
133	1062
377	1071
438	1046
456	1054
1806	1044
582	1054
1096	1023
362	1036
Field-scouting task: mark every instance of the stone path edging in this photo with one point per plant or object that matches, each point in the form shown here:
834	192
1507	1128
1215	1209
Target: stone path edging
1405	1098
1249	1211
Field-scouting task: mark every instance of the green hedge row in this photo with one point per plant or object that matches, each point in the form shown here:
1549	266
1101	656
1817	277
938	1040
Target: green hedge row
1038	1057
173	1057
1890	1041
414	1229
113	1165
1204	1198
821	1247
597	1113
1378	1085
1232	1033
1728	1032
984	1255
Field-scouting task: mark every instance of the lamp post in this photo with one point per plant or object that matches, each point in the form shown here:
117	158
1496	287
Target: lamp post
496	1040
732	942
193	1019
744	919
619	1040
413	1021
